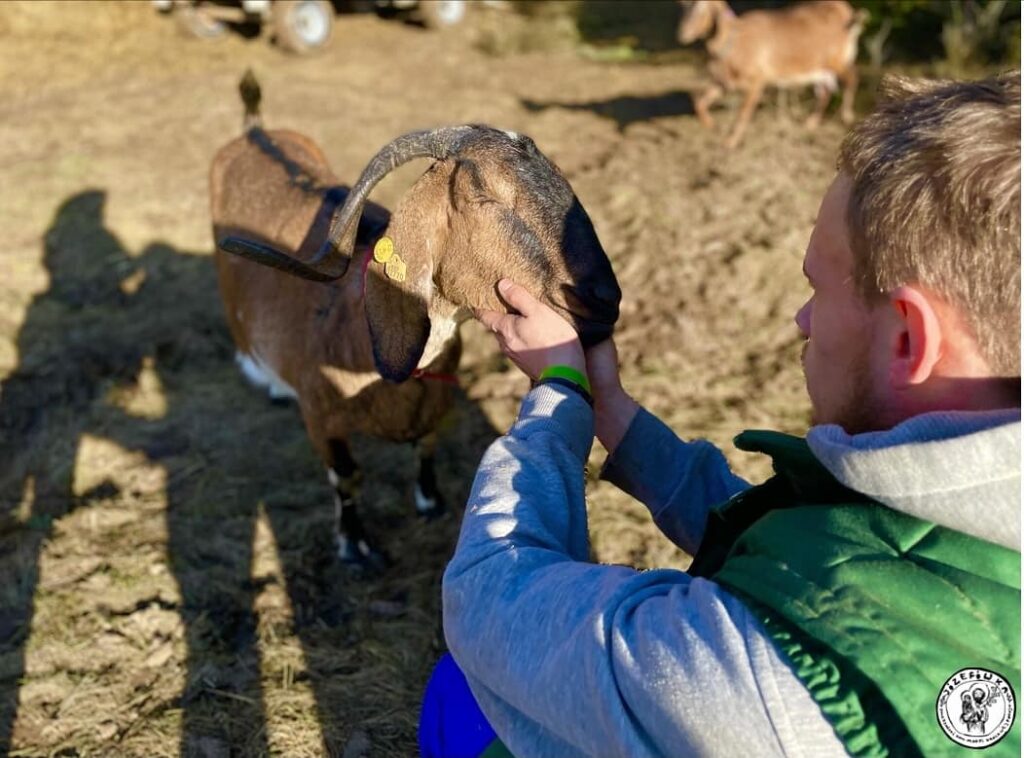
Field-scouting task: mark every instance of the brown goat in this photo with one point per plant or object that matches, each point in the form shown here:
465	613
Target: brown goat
809	43
366	351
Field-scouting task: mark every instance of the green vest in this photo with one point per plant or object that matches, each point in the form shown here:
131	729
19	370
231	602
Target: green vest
872	608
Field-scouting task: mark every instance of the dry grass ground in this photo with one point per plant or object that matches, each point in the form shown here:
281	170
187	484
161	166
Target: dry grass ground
166	581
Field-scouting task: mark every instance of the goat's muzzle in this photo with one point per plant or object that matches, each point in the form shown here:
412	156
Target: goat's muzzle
593	308
594	332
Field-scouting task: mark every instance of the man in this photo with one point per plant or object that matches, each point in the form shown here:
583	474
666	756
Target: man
828	610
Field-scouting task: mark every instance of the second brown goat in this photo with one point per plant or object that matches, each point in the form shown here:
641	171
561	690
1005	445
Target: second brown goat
808	43
354	312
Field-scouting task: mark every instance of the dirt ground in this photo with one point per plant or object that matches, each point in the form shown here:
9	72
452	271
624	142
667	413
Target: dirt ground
166	578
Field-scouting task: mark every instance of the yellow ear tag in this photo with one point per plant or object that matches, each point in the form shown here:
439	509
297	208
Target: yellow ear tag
395	268
383	250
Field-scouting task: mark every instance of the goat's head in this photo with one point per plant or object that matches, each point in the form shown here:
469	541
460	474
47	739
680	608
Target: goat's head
490	206
697	22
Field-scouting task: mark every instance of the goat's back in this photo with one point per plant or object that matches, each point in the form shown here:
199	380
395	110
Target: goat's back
275	187
805	43
269	185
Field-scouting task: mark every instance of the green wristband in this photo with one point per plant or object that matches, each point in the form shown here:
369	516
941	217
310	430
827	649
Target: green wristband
568	373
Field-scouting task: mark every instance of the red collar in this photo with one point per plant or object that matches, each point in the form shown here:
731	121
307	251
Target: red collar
432	376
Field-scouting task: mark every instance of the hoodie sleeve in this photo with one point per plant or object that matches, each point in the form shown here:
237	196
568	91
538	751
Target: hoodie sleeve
568	658
677	481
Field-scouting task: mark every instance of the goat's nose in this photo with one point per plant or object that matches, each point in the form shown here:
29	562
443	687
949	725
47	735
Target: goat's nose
603	292
597	297
595	300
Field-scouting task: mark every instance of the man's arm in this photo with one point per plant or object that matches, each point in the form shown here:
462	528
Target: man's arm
678	481
570	658
567	658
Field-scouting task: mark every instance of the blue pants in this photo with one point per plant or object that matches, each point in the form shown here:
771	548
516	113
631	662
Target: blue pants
451	723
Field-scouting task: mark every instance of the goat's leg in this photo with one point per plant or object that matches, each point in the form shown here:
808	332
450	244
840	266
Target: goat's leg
783	103
352	544
702	106
822	96
849	80
749	104
429	502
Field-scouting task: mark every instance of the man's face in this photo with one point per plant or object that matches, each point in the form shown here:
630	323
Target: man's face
845	384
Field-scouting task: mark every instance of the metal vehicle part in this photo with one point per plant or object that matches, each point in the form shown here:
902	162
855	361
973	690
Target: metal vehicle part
299	26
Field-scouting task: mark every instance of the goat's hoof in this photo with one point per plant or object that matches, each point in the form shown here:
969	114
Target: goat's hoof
360	557
812	123
429	507
846	117
432	514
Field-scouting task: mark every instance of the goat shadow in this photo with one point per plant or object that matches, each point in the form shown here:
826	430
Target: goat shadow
232	460
625	109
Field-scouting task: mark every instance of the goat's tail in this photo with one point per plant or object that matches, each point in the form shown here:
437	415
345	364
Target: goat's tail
249	89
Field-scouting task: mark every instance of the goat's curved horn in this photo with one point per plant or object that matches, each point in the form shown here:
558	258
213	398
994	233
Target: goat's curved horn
435	143
268	256
332	259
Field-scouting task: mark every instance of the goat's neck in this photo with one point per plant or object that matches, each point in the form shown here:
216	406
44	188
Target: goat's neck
445	318
724	19
722	13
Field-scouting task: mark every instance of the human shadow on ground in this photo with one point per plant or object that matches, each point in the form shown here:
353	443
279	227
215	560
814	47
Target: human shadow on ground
233	460
68	346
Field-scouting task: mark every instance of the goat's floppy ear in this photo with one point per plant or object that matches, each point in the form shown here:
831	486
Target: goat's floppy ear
398	292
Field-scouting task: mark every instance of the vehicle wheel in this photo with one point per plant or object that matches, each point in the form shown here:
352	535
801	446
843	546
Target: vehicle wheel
440	14
302	26
194	20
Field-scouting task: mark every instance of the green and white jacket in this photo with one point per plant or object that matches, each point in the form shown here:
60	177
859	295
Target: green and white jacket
824	611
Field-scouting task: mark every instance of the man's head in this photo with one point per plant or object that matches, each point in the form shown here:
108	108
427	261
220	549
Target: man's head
915	259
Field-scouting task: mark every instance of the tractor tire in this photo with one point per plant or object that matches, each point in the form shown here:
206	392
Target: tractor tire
441	14
302	26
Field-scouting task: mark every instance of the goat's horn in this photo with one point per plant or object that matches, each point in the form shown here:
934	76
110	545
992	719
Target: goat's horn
332	259
268	256
435	143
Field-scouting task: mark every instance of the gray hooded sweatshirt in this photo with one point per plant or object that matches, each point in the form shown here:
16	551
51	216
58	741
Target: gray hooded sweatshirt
568	658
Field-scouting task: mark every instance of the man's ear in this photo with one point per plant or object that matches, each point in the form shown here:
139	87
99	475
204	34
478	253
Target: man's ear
918	343
397	300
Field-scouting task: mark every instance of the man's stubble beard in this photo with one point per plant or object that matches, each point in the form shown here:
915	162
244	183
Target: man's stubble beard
861	410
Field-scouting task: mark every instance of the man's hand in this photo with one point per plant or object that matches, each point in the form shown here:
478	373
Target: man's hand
614	410
536	336
603	371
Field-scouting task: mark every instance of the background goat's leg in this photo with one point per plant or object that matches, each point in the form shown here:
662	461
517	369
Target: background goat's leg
848	79
783	103
749	104
429	502
822	95
703	105
351	541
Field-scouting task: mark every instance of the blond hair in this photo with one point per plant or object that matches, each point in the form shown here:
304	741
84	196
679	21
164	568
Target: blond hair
936	201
